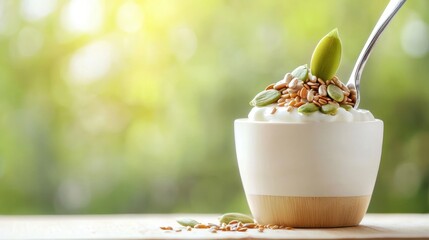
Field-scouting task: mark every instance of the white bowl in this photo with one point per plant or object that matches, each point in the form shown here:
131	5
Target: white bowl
308	174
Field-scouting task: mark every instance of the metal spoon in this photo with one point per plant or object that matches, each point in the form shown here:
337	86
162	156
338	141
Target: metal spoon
390	11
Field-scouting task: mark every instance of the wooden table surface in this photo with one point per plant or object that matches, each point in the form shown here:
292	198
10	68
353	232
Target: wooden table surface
380	226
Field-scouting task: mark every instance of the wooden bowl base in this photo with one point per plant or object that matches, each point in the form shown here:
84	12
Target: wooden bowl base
308	212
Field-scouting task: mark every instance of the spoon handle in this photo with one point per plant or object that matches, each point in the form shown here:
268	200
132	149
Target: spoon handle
390	11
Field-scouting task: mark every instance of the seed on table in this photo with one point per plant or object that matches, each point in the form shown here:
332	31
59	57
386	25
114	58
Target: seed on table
297	99
166	228
328	82
312	84
261	229
242	229
250	225
274	110
281	104
289	108
178	230
233	222
188	228
281	100
313	79
289	228
293	95
201	226
319	80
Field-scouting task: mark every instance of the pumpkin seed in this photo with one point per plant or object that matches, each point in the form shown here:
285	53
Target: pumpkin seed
228	217
308	108
301	72
265	97
330	109
187	222
326	57
335	93
347	107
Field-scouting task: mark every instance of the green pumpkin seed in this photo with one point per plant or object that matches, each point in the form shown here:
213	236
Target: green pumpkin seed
228	217
187	222
308	108
326	57
335	93
329	109
347	107
265	97
301	72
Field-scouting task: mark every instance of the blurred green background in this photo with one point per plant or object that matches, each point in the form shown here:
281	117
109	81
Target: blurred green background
128	106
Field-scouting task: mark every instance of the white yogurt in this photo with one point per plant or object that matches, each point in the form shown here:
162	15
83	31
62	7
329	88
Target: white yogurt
282	115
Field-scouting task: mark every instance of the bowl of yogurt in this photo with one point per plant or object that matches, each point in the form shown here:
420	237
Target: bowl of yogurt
306	156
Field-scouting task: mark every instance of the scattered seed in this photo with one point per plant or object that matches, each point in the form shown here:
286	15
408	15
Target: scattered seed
289	108
188	228
250	225
166	228
261	229
242	229
201	226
